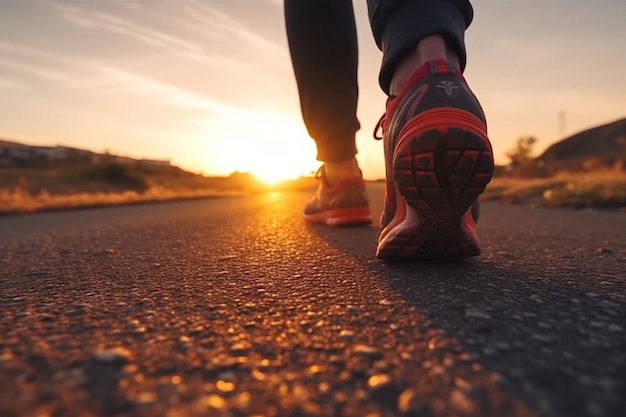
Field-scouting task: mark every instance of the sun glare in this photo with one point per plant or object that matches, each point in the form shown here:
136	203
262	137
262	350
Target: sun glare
278	163
271	177
270	147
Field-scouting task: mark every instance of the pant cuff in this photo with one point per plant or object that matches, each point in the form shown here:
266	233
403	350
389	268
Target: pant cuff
407	24
337	149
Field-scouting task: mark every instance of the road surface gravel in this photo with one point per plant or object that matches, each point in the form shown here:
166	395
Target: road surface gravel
236	307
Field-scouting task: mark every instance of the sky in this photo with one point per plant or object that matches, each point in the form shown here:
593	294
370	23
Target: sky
208	84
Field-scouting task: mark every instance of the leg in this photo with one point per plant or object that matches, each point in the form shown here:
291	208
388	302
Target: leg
413	32
429	48
323	46
437	153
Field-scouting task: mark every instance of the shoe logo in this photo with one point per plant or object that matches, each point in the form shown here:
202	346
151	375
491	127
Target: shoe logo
448	86
336	201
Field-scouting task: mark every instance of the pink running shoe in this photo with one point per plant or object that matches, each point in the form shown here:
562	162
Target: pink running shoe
342	204
438	161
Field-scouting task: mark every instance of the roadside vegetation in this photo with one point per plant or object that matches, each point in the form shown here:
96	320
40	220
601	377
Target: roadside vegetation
583	183
592	183
91	185
600	189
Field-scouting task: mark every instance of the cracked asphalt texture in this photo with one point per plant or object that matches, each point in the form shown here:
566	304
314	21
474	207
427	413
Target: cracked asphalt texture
236	307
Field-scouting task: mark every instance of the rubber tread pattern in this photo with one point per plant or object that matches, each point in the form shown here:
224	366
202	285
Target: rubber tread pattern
440	173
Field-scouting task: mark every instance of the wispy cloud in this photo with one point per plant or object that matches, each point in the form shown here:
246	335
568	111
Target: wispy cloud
130	29
65	71
10	84
222	26
100	77
166	41
167	93
43	73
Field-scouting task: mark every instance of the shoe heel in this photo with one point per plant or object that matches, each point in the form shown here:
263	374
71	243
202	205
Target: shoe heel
443	169
440	173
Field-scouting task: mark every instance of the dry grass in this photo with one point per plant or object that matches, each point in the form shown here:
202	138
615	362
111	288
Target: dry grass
19	200
600	189
29	190
24	191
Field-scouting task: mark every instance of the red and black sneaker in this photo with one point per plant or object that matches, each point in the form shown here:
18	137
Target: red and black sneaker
343	204
438	161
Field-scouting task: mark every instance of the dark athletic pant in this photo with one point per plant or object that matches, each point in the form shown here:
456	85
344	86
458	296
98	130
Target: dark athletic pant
323	46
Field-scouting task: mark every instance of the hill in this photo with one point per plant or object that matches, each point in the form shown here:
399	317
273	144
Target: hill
20	155
601	146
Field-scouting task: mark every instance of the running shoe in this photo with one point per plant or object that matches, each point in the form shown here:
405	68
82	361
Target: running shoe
438	161
343	204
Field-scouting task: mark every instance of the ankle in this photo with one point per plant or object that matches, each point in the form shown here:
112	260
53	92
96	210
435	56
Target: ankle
335	171
428	49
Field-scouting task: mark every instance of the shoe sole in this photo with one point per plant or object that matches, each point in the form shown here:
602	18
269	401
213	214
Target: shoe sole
342	217
440	168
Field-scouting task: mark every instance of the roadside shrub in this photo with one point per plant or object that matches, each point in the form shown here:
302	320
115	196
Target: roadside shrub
597	196
117	175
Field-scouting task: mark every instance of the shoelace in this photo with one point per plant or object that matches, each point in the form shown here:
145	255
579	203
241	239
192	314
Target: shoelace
380	127
320	173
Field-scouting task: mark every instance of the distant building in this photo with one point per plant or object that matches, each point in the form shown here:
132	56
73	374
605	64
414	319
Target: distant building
155	162
14	154
48	153
123	160
17	154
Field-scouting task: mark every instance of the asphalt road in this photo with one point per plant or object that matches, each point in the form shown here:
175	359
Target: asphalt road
236	307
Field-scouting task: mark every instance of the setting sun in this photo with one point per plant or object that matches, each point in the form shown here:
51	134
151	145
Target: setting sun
272	177
270	147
